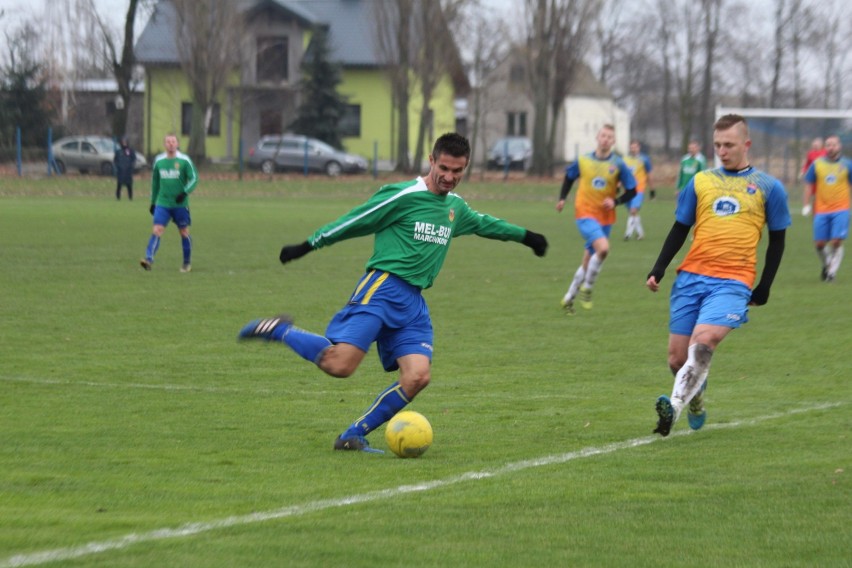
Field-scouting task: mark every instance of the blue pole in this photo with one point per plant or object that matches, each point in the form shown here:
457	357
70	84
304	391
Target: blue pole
306	157
375	159
240	158
18	149
505	159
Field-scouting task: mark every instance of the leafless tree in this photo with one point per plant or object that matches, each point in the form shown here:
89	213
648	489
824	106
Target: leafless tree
394	45
209	36
557	36
710	14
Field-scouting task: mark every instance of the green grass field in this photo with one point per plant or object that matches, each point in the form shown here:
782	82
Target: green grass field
137	432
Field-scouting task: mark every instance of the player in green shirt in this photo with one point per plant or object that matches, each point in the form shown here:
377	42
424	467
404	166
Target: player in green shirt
413	223
691	163
173	178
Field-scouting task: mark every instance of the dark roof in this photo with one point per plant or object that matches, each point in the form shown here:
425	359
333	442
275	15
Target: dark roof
351	27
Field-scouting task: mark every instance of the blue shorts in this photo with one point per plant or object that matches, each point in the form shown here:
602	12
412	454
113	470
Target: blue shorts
830	226
699	299
636	202
591	231
180	215
388	310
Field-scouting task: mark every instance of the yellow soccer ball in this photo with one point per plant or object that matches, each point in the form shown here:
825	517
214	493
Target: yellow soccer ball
409	434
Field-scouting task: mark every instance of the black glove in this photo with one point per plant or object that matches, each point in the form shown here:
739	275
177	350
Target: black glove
536	242
180	197
151	209
292	252
759	296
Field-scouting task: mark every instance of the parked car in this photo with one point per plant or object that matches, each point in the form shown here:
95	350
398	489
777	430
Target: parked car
289	152
517	150
89	153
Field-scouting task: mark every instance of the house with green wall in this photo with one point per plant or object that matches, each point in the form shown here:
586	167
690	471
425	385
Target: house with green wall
263	94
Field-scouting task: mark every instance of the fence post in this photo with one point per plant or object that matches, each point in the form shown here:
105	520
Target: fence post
18	150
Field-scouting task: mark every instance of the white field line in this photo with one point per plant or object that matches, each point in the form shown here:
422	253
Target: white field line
190	529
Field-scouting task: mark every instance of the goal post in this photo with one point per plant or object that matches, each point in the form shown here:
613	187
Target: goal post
780	136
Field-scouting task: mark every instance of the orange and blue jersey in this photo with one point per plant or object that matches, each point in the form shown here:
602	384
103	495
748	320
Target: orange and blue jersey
640	167
598	180
831	184
729	210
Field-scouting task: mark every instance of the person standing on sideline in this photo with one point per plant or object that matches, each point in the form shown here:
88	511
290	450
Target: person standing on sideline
817	151
123	163
691	163
640	166
599	173
173	178
827	183
413	223
711	295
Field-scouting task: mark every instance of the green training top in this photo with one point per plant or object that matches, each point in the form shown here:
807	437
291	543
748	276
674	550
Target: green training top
170	177
413	228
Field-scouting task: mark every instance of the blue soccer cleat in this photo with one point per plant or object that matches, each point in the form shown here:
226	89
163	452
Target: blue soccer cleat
665	412
696	414
263	328
355	444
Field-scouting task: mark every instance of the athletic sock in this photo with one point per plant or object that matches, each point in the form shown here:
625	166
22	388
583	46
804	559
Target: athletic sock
153	245
637	226
186	243
575	284
388	403
592	272
307	345
836	257
630	228
824	254
691	376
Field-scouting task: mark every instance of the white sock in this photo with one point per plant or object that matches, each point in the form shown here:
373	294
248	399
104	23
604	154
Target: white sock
631	226
592	272
691	376
575	284
824	254
834	262
637	226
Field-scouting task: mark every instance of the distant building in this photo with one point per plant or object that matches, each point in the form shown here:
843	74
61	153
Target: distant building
87	107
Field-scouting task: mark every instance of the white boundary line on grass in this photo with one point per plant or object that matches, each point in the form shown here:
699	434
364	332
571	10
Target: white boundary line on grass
190	529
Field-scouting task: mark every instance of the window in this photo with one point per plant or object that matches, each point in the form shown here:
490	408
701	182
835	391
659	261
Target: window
350	123
270	122
272	59
186	120
516	73
516	124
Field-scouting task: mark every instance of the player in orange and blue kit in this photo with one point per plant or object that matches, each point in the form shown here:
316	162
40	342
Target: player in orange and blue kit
828	185
599	174
728	208
640	166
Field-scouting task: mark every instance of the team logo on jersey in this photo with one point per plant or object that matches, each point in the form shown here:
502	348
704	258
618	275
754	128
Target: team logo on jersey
452	215
831	178
177	165
599	183
725	206
751	189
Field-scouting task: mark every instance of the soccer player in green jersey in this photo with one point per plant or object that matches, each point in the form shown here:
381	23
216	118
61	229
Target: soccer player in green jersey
691	163
173	178
413	223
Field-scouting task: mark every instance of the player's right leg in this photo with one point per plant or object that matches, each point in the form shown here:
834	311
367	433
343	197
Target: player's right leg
154	240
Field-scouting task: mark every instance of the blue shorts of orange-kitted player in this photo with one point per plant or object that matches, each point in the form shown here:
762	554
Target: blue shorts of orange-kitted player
591	230
697	299
385	309
830	226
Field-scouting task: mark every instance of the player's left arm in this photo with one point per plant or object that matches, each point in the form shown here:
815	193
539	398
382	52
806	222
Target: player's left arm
489	227
191	176
628	182
777	221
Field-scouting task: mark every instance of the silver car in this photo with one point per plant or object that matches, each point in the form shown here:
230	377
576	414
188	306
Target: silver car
514	152
293	152
89	154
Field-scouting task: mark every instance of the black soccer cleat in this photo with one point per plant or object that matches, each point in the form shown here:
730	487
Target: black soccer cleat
355	444
263	328
665	411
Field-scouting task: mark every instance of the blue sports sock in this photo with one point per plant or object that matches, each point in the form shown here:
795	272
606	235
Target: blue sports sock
308	345
186	242
153	245
388	403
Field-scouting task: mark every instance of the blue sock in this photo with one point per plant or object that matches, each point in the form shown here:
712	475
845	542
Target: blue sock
388	403
153	245
308	345
186	242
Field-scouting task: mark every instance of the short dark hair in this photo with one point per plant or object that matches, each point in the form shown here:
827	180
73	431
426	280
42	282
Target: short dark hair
730	120
451	143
